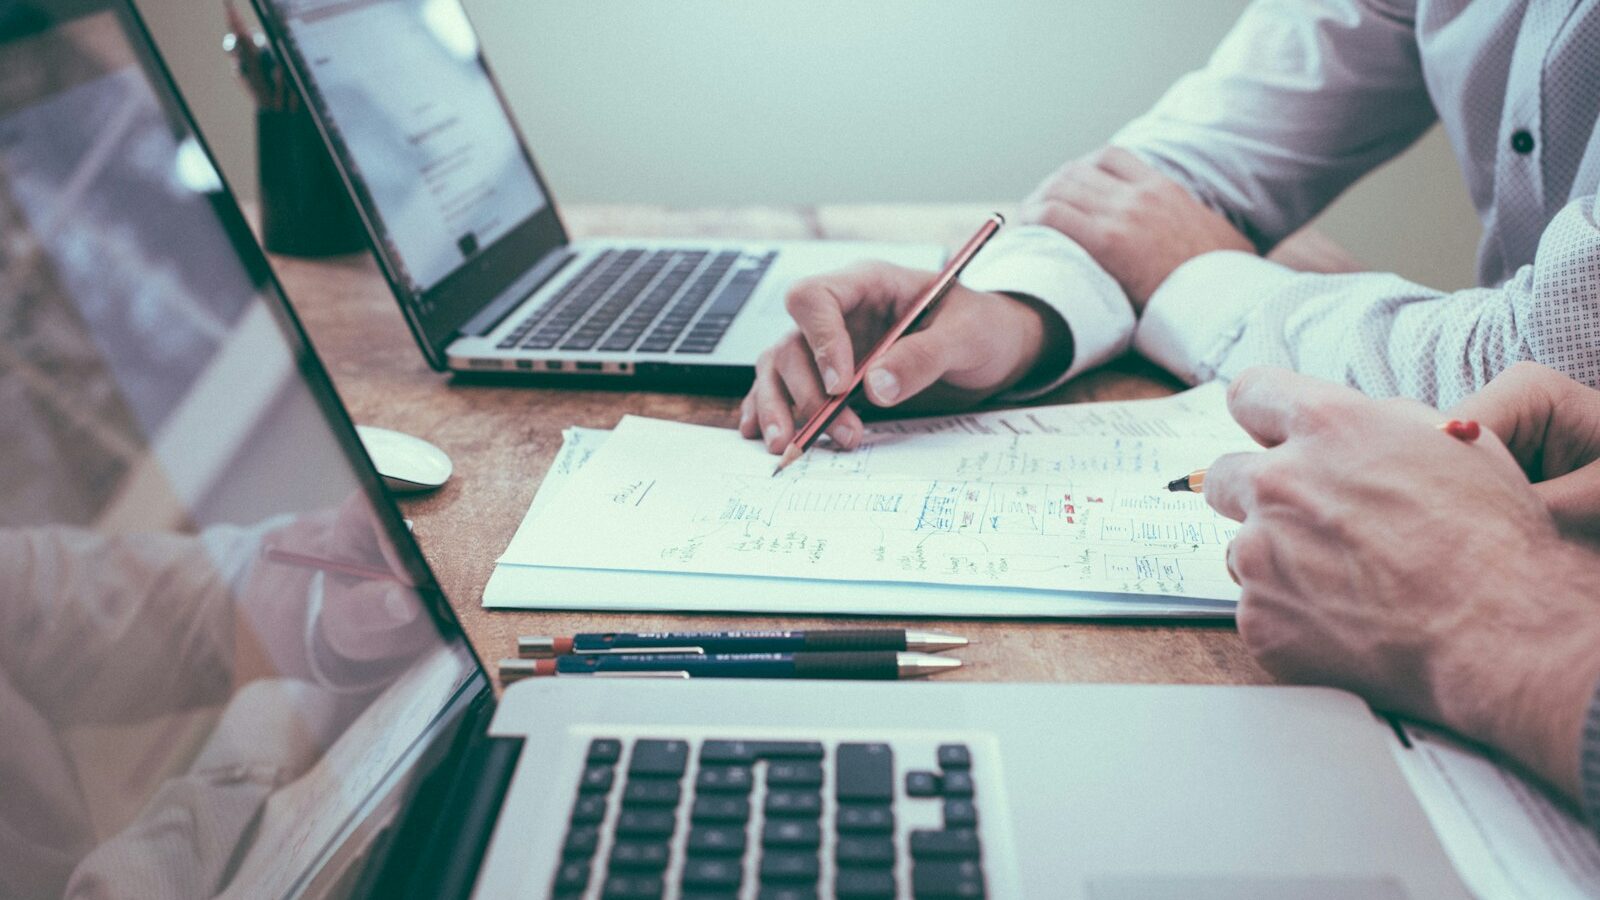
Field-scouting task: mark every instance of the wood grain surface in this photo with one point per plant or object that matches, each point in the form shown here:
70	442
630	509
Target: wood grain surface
502	439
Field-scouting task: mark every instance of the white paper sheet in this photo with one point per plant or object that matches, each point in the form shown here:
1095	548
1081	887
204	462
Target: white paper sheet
1003	475
1505	835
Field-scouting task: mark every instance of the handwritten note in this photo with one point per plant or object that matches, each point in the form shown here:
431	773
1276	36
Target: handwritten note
949	506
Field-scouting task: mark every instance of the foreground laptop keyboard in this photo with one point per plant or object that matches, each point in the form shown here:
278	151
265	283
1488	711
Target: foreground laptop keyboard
749	819
680	301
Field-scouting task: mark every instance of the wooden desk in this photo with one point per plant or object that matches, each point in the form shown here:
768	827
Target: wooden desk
503	438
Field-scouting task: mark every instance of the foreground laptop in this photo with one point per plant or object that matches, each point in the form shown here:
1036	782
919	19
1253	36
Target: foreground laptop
225	668
468	234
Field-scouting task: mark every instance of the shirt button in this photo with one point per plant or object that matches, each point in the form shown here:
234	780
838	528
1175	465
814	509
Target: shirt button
1522	141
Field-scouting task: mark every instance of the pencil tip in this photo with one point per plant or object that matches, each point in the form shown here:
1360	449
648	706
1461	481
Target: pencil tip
1179	484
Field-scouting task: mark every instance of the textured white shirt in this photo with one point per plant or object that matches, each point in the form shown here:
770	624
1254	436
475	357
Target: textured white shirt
1302	98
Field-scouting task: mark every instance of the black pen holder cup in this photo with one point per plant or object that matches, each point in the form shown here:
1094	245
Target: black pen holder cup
305	210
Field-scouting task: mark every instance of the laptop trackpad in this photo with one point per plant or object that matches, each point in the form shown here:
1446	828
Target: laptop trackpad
1244	888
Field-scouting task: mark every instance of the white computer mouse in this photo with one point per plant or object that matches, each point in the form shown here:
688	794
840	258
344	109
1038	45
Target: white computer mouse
407	464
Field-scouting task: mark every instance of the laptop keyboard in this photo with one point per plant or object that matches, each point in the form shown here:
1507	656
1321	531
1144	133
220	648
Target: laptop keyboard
753	819
679	301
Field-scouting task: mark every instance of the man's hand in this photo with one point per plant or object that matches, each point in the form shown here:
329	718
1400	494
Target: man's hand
1552	426
361	629
1139	225
972	346
1383	556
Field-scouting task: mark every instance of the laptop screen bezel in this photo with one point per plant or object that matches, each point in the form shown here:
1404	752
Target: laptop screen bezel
479	280
357	834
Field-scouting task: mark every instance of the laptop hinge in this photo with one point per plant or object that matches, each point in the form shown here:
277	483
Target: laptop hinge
490	317
437	846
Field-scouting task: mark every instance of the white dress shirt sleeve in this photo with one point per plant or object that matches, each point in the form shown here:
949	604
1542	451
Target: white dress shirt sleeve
1300	99
1049	267
1223	312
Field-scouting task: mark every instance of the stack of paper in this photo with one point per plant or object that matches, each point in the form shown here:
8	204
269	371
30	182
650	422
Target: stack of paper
1052	511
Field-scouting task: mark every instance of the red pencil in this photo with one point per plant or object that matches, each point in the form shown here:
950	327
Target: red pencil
931	295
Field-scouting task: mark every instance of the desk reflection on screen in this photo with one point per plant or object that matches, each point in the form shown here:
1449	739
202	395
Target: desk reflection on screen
182	715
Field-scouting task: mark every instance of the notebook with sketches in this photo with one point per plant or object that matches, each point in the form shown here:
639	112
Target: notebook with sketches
1050	511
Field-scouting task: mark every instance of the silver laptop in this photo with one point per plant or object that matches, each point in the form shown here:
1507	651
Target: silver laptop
468	234
226	669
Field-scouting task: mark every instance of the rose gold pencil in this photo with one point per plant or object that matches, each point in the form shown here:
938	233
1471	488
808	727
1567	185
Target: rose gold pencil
930	296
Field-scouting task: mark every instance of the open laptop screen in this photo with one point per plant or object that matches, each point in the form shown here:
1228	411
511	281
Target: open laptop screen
213	657
451	196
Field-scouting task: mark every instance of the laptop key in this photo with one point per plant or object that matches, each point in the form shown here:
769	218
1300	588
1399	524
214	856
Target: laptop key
720	809
960	813
783	866
958	783
604	750
794	774
864	884
865	773
581	842
787	892
858	819
799	804
651	792
715	840
649	856
960	843
796	833
710	872
750	751
954	756
596	779
659	758
922	784
864	851
589	809
946	879
649	823
628	887
572	877
725	780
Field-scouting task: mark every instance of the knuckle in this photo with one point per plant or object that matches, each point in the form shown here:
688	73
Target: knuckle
1273	484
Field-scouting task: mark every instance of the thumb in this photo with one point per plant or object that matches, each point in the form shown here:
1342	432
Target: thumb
1574	499
912	364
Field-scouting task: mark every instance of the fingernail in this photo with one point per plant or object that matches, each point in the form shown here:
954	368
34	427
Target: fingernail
744	419
848	434
772	433
830	379
885	387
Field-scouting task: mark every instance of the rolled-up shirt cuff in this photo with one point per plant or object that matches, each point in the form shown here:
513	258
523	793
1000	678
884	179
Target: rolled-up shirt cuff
1199	312
1044	264
1589	762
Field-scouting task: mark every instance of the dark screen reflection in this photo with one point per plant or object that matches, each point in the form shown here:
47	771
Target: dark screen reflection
210	657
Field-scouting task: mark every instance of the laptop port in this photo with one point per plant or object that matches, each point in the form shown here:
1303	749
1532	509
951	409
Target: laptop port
554	365
524	363
591	367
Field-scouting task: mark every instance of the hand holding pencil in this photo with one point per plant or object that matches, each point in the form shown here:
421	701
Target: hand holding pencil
972	345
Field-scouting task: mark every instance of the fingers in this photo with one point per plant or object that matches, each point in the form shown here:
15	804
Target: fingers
773	406
1230	484
1123	164
1574	500
1271	404
1549	422
819	306
915	362
788	390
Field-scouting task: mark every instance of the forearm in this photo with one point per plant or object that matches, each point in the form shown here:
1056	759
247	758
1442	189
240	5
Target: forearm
1223	312
151	610
1299	100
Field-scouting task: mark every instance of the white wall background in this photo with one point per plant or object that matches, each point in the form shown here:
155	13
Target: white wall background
728	102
